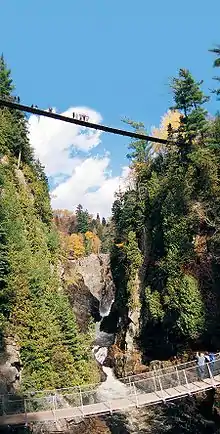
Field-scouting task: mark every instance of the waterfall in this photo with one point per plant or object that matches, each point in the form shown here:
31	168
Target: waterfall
111	388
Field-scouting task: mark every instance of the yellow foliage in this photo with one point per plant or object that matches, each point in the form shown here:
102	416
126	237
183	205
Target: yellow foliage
89	235
64	242
94	242
120	245
76	245
170	117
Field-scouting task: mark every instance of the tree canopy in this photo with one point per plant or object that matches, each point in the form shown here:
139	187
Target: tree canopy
168	223
34	308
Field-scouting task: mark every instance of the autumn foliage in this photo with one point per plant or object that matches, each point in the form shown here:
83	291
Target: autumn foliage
80	233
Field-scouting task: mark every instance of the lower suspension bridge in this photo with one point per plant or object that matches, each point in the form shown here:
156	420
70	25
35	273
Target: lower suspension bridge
153	387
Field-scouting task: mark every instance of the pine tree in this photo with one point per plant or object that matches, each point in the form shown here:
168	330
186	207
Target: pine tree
82	219
216	64
18	142
6	83
139	148
189	99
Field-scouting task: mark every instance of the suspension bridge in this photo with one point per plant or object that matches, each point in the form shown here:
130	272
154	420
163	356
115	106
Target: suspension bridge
154	387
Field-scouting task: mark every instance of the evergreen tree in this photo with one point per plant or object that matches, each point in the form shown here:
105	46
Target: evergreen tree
33	306
216	64
6	83
139	148
189	99
17	142
82	219
103	221
171	215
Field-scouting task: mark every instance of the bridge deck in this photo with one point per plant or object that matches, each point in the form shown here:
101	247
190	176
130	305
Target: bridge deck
135	399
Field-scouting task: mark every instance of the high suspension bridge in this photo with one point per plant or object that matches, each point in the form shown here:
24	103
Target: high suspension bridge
154	387
36	111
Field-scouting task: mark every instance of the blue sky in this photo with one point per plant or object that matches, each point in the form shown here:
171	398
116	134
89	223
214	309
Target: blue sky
114	57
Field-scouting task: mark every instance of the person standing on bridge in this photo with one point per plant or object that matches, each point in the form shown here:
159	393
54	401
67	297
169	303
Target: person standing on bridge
200	365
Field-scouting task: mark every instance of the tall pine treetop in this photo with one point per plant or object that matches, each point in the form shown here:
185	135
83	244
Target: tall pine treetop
6	83
187	92
216	64
189	99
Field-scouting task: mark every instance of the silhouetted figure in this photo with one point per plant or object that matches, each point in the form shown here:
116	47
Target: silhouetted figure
36	106
50	109
32	105
18	99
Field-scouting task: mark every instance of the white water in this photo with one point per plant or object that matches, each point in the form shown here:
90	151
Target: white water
105	311
111	388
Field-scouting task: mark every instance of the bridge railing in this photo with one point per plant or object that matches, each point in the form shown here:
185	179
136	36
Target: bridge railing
126	380
176	378
81	397
163	370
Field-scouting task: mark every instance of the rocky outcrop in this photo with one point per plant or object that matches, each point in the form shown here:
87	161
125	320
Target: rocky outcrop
97	276
89	286
134	314
10	366
84	304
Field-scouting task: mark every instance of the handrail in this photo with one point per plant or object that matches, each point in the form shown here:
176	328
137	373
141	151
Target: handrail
129	378
193	362
138	393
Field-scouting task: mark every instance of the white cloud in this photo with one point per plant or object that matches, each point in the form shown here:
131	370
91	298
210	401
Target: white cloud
89	180
91	173
53	139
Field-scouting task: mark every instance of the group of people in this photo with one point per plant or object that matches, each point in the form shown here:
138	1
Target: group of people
202	359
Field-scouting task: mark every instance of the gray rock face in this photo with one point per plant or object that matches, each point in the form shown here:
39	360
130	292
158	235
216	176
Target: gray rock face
10	366
96	273
89	286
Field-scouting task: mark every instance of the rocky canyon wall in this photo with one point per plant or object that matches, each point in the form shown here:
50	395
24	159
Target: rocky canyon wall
89	286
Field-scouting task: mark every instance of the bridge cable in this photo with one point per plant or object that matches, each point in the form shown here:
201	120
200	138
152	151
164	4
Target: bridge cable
104	128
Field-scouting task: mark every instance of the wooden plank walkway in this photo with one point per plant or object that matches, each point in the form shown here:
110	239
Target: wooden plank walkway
136	397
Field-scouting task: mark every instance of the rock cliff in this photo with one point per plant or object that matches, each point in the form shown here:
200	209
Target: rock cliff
89	286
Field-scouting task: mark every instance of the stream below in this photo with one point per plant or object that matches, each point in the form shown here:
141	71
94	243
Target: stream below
111	388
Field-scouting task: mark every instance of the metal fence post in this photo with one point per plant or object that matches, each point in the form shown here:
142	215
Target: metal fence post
130	385
161	388
178	376
54	408
81	400
210	374
136	397
155	384
25	412
187	384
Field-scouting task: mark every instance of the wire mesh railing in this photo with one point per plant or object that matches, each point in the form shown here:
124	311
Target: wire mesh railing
126	380
81	398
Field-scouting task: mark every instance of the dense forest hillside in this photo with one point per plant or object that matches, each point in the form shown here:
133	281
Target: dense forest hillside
34	311
81	234
166	258
164	238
